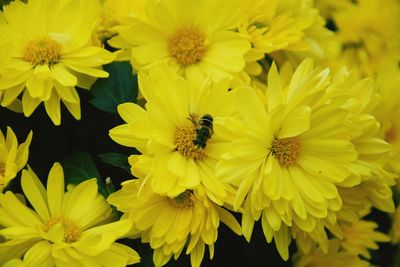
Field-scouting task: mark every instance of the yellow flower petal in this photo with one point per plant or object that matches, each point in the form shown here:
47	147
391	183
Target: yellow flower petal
55	190
29	104
53	109
297	122
228	219
73	108
11	94
61	74
39	255
25	216
36	193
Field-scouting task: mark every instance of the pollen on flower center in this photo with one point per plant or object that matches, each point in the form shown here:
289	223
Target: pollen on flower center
184	143
43	51
183	200
286	150
72	232
187	46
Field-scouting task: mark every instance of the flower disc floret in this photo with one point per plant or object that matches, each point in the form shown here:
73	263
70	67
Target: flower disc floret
72	232
187	46
44	51
286	150
184	200
183	140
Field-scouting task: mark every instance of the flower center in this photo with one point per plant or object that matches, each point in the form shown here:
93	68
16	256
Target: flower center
183	140
183	200
187	46
286	150
43	51
72	232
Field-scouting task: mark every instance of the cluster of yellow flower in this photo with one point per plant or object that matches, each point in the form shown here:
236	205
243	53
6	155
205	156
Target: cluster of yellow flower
282	111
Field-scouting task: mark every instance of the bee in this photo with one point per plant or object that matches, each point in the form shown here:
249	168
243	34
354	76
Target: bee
204	129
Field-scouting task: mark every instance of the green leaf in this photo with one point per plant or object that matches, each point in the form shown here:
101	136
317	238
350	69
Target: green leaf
80	167
116	160
120	87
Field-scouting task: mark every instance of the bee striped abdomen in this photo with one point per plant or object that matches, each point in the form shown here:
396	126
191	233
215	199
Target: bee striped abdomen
204	131
207	121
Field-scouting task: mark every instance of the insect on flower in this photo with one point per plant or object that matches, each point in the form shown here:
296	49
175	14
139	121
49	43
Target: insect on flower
204	129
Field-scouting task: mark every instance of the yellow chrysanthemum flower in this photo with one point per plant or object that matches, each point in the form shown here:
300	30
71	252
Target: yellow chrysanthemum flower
12	157
53	53
335	258
288	159
171	224
197	39
359	99
70	228
167	130
368	37
284	29
361	236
